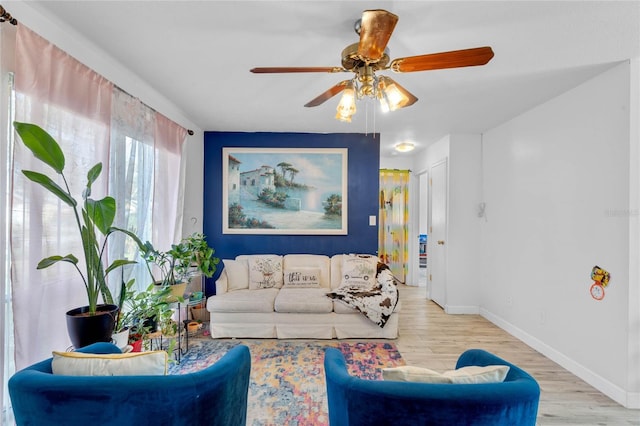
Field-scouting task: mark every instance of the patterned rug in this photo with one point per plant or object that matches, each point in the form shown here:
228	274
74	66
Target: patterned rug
287	384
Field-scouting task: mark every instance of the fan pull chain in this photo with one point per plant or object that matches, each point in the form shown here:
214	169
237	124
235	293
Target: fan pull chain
366	118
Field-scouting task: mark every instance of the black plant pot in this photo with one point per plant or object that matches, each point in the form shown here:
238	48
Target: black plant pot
85	329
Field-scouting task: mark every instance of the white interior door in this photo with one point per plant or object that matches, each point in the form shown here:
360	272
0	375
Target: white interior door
437	247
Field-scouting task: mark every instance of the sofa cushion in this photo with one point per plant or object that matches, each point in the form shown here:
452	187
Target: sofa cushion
237	274
359	269
265	272
303	300
243	301
151	363
302	278
464	375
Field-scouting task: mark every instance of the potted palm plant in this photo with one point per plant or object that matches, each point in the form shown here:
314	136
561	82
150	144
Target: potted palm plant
94	219
177	266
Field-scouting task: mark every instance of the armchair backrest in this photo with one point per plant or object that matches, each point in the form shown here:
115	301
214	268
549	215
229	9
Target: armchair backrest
216	395
353	401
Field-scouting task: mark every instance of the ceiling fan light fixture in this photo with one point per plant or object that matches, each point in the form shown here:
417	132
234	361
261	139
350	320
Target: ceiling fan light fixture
347	106
404	146
392	95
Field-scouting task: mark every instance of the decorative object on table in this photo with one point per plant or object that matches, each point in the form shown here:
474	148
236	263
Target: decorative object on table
193	327
600	279
183	261
287	385
94	219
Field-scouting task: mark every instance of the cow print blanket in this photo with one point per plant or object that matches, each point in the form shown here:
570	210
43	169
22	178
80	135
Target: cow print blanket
377	301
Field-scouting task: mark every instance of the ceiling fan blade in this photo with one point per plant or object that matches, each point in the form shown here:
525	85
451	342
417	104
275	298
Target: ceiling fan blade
375	30
436	61
328	94
267	70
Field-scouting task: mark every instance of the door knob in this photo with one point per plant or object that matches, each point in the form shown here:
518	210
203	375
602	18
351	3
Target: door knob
441	242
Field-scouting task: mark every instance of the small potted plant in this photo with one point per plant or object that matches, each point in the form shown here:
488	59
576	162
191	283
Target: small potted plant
177	266
146	310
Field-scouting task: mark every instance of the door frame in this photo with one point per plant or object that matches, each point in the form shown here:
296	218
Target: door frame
422	209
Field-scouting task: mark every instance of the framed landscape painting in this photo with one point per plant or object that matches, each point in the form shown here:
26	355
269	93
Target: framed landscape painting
284	191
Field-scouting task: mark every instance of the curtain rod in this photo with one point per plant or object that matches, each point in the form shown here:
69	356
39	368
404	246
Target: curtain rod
6	16
395	170
189	131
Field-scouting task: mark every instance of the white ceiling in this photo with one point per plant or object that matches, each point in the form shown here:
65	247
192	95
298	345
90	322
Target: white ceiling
198	55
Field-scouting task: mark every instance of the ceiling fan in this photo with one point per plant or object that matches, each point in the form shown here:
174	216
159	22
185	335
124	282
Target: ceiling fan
369	55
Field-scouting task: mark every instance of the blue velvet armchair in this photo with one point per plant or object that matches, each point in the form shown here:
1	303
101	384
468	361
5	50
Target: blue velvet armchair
353	401
216	395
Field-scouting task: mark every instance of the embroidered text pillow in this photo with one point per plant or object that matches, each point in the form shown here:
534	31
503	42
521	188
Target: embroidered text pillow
302	278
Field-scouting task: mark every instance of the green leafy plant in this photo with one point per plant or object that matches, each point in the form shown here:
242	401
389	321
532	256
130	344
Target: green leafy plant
144	310
124	319
147	311
94	218
192	255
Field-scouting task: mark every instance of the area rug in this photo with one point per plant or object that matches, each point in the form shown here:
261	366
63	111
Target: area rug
287	385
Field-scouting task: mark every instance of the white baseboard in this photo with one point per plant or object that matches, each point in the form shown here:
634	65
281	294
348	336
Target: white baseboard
619	395
462	310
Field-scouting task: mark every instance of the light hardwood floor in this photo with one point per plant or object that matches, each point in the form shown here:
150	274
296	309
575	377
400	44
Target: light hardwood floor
432	339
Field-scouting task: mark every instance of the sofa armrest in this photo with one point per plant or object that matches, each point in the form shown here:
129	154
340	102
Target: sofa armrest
483	358
222	284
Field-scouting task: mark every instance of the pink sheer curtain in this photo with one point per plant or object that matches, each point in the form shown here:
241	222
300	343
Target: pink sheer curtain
169	141
73	104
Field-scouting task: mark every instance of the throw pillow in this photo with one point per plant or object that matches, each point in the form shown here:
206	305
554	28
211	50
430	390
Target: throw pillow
265	272
408	373
302	278
237	274
475	374
464	375
359	270
152	363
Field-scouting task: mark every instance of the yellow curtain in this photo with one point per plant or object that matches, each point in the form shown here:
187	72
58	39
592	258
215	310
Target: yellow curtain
393	230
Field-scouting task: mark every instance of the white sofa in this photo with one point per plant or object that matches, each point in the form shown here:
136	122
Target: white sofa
238	309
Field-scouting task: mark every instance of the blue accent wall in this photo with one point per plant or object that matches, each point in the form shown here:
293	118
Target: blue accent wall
363	195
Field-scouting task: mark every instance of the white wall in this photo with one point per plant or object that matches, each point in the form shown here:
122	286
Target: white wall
463	227
633	387
556	185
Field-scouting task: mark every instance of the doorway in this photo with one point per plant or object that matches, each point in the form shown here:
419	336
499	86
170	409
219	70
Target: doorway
423	228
